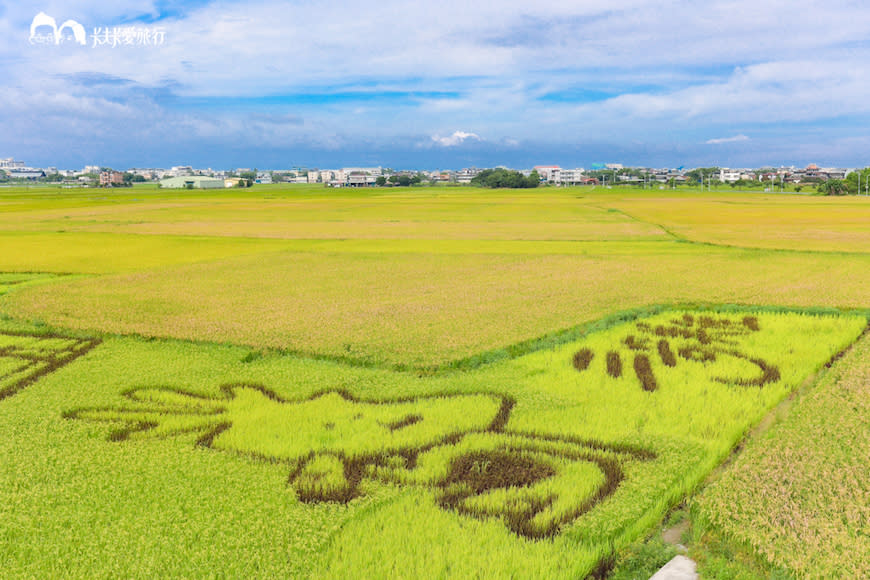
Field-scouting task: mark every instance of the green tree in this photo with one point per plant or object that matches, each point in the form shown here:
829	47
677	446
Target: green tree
857	181
381	181
833	187
504	178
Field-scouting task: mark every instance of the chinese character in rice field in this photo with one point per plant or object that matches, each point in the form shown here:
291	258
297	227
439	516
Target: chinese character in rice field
698	339
26	357
455	445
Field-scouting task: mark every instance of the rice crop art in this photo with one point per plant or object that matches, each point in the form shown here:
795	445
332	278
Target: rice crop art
544	465
25	358
702	339
455	445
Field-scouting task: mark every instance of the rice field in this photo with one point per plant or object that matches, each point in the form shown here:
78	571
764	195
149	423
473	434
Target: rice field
434	382
799	497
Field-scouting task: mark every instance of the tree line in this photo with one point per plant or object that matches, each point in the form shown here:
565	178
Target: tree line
506	178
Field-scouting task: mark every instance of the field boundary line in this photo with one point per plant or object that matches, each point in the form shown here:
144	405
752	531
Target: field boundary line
784	407
681	239
512	351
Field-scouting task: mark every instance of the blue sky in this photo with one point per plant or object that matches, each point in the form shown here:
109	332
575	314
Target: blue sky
429	85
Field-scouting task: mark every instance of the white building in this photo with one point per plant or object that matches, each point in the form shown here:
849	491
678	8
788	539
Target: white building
180	171
324	176
571	176
549	173
25	173
728	175
10	163
373	171
466	175
192	182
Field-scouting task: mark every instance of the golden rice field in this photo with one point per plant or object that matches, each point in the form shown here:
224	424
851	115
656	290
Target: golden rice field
381	282
424	382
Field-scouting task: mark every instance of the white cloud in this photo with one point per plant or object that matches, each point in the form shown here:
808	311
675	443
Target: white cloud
457	138
721	140
678	69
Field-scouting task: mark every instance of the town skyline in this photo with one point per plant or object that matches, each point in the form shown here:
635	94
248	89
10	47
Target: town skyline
186	176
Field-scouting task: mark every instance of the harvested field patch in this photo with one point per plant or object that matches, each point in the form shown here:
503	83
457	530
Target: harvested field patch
799	497
407	308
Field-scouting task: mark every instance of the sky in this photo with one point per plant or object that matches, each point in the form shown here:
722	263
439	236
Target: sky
436	85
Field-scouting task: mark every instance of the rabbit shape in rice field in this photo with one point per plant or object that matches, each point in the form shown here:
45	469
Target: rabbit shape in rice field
454	444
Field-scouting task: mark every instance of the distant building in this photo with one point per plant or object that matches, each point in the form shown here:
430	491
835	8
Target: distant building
149	174
812	171
25	173
111	178
360	179
572	177
549	173
373	171
466	175
192	182
10	163
180	171
728	175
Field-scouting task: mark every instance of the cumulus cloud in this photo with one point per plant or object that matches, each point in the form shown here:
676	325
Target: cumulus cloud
457	138
721	140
